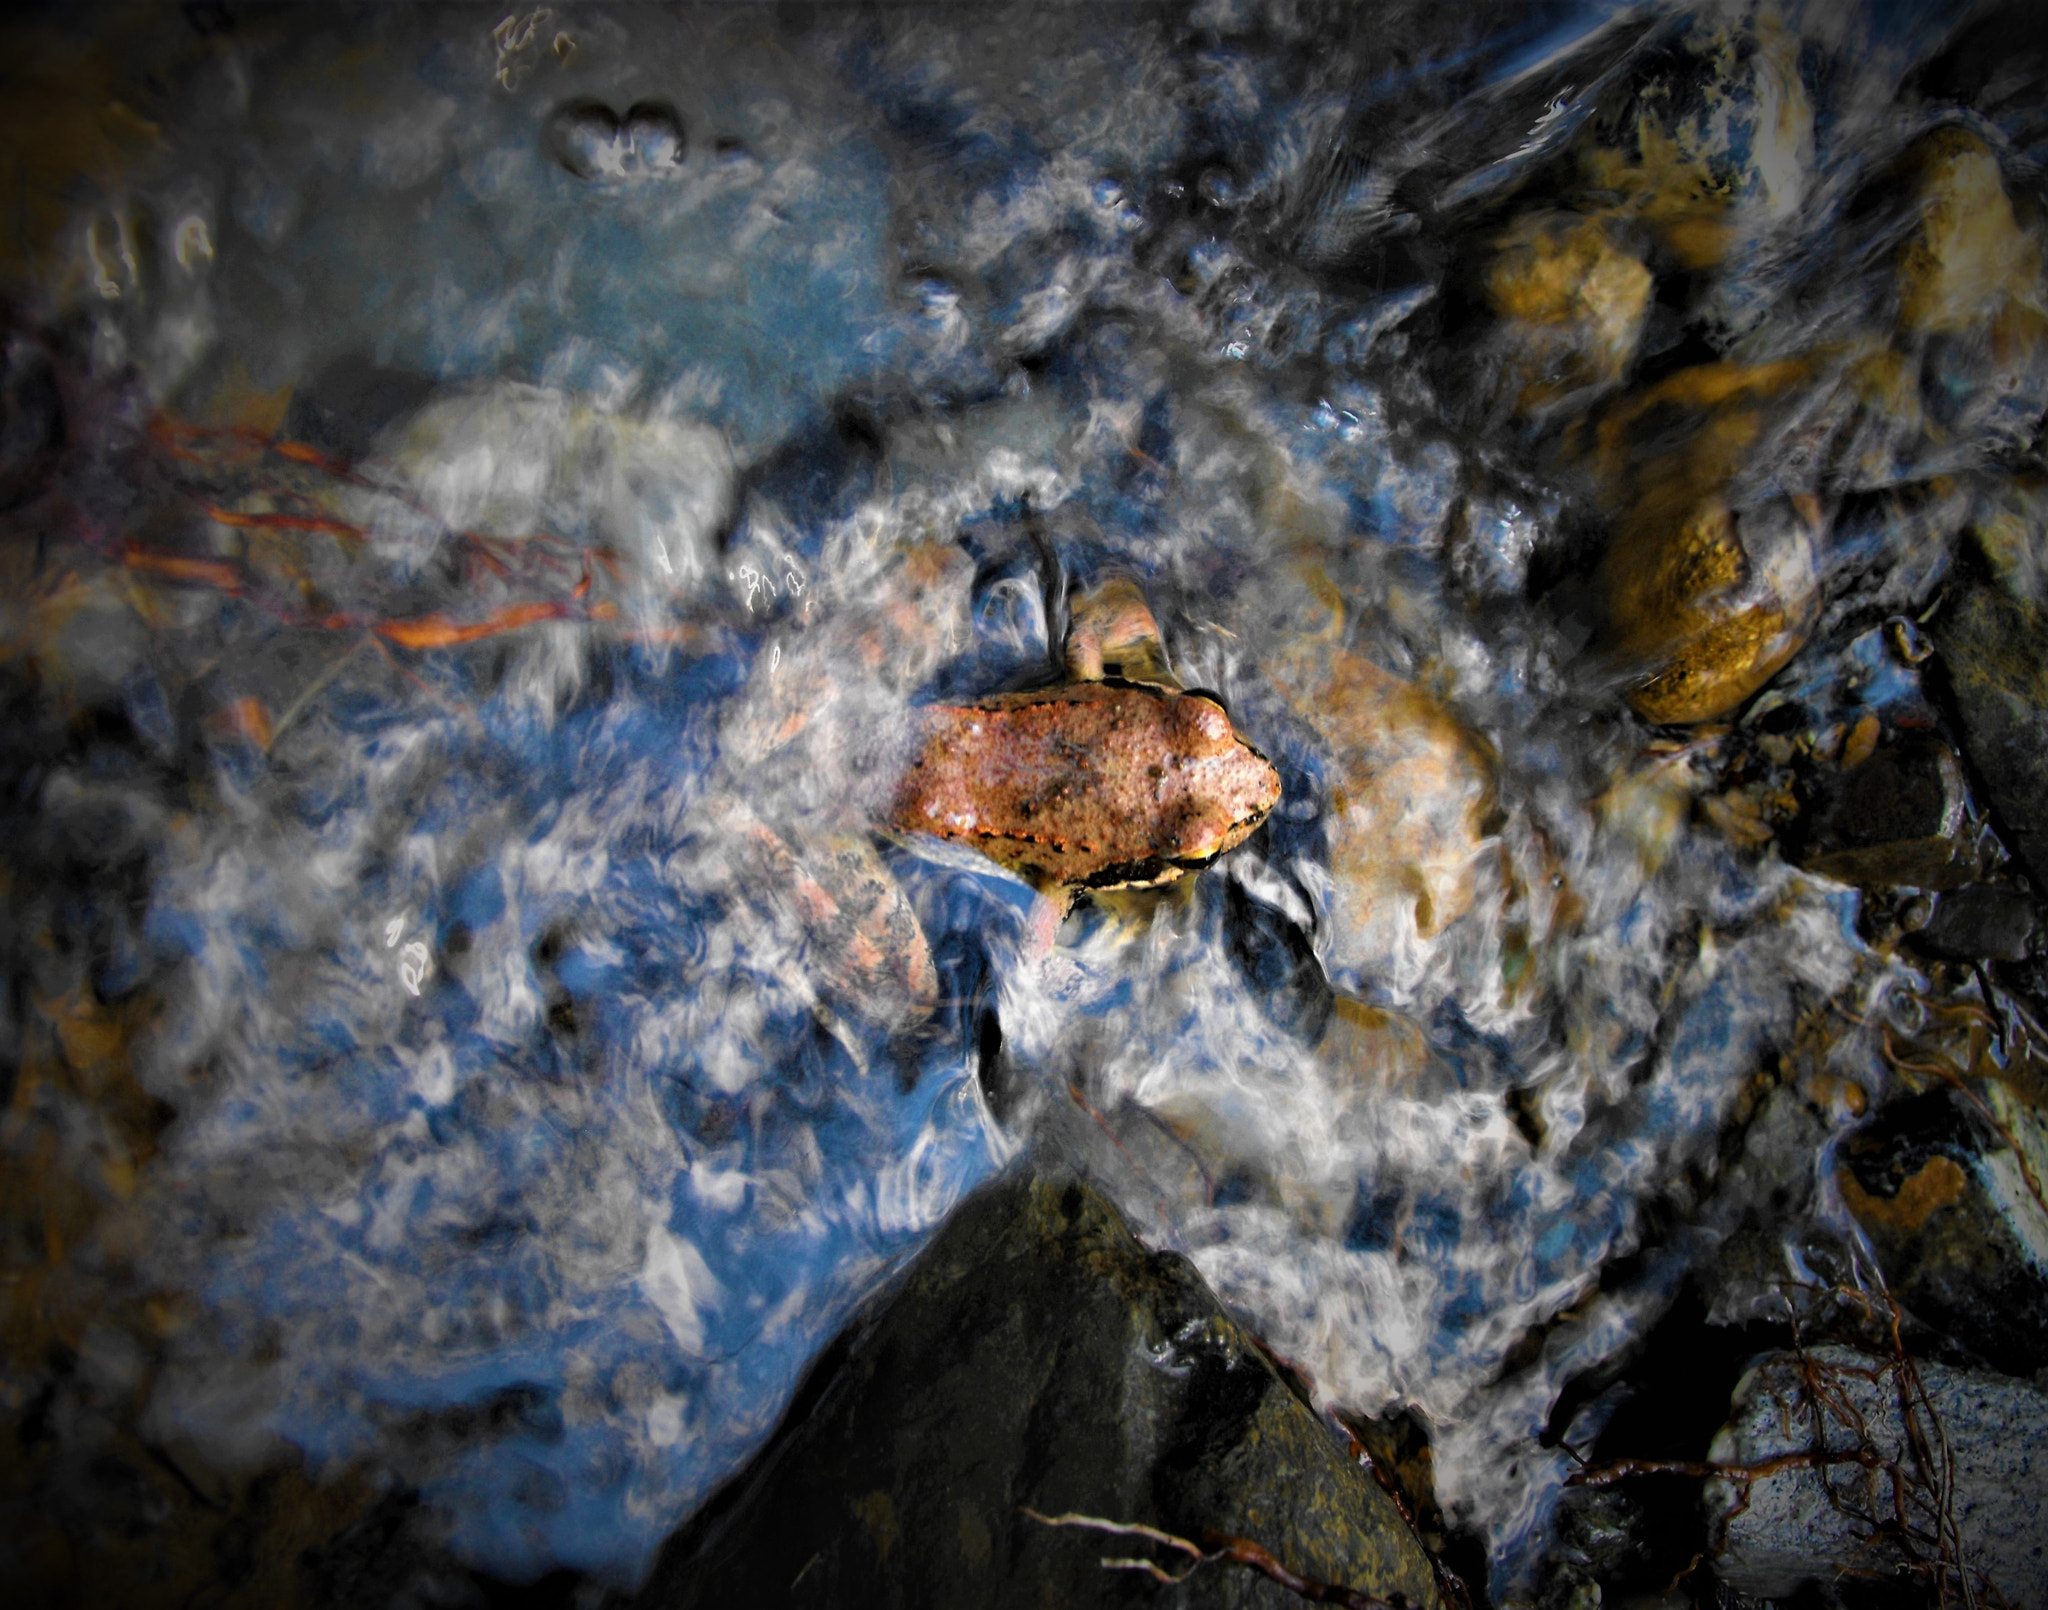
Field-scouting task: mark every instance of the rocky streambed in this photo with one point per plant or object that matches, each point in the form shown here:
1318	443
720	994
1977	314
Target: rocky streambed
498	1110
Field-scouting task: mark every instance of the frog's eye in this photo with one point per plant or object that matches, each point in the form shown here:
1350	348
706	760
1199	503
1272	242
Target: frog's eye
1200	726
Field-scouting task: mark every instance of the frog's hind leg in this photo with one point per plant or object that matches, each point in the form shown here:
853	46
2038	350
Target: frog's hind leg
1111	631
1042	926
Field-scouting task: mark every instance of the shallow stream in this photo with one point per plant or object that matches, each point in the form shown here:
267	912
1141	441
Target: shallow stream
511	482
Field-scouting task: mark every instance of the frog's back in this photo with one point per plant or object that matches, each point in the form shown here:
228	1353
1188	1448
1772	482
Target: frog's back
1091	785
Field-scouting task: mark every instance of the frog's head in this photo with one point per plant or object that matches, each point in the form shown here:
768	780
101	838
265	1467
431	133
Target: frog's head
1223	787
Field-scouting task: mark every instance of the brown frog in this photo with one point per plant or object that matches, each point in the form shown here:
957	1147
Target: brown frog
1118	779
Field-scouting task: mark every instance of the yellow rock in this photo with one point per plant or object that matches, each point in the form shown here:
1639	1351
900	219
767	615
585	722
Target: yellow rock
1719	146
1714	606
1969	259
1709	602
1411	793
1571	302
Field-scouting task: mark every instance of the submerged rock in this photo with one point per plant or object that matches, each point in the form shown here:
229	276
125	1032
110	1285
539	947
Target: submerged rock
1961	376
1952	1212
510	461
1979	922
1995	655
1038	1358
1712	141
1715	604
1956	1452
1969	263
1710	581
1411	790
1571	303
1895	821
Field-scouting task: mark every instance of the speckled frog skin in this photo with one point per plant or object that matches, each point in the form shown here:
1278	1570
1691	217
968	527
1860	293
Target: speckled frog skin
1095	785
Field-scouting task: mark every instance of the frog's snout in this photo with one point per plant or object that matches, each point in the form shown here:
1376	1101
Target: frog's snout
1269	785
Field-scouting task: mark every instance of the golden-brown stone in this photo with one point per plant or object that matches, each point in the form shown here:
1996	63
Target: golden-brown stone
1571	302
1969	260
1719	147
1412	789
1707	601
1715	608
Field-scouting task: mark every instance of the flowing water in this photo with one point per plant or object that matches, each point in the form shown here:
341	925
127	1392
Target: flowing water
519	475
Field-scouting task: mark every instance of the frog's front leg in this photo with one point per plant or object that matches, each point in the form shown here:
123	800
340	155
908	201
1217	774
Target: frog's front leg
1111	631
1049	909
843	913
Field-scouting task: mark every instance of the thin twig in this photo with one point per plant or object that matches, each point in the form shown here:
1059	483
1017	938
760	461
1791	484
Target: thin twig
1220	1546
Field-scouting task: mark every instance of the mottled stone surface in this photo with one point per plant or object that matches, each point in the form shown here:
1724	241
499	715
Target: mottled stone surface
1950	1212
1995	656
1708	584
1411	792
1571	303
1037	1356
1712	604
1894	821
1790	1530
1712	139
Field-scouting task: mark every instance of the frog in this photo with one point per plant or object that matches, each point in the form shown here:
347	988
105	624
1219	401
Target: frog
1117	778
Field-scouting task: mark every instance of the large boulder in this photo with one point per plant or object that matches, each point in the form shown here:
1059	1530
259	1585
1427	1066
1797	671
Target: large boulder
1862	1468
1951	1208
1994	656
1037	1358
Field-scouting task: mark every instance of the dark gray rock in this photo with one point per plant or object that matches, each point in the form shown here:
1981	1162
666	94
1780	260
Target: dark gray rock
1036	1356
1973	1468
1895	821
342	409
1995	655
1950	1213
1979	922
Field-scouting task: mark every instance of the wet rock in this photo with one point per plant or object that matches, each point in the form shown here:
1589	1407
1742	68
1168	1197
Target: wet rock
1410	792
1710	580
1980	922
1969	293
1952	1212
1663	1401
1715	604
1814	1521
1995	656
1037	1357
1969	262
1714	139
1571	304
1959	375
1895	821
